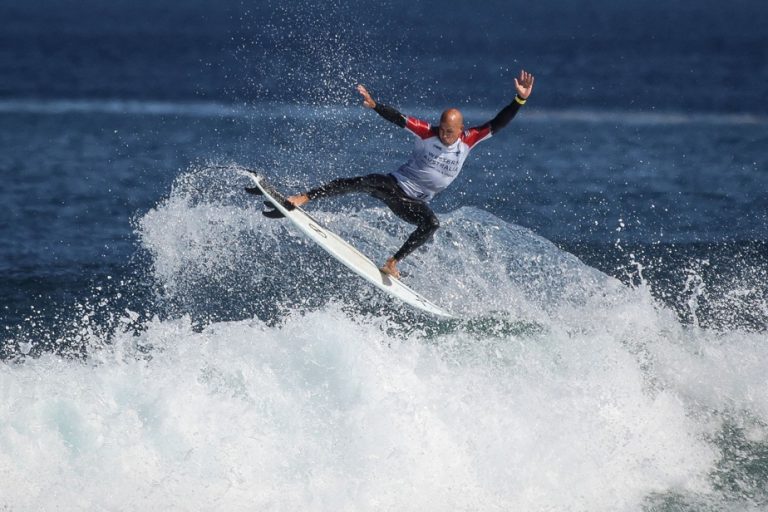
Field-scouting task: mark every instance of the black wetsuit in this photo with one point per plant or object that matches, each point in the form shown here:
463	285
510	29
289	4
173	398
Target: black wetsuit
431	168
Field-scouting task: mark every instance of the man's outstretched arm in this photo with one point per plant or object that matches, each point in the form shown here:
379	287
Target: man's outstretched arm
524	87
389	113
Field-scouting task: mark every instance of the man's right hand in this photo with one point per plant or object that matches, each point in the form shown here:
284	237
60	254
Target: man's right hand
367	100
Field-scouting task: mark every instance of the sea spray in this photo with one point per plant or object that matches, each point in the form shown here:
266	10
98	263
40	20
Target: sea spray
559	389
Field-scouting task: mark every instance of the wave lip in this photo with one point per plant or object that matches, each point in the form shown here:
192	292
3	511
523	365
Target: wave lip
649	118
212	109
117	106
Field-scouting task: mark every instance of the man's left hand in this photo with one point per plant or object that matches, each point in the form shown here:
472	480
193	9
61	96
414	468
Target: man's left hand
524	85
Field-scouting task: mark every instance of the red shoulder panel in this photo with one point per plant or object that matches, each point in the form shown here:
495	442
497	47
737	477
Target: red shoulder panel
421	129
476	134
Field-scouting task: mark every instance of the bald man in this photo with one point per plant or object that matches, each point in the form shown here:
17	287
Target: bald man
435	162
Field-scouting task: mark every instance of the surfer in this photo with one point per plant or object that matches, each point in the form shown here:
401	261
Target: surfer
435	162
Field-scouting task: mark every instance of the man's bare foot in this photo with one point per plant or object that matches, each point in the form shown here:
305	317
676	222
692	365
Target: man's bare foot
390	268
299	200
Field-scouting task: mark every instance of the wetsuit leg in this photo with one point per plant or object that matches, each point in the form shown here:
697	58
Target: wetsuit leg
373	184
418	213
411	211
385	188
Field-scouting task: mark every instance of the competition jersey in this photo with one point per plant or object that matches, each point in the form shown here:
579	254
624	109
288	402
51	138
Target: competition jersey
433	165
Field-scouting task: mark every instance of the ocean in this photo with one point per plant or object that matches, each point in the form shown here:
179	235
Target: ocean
165	346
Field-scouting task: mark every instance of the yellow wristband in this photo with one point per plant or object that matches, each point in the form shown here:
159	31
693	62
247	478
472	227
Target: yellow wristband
519	100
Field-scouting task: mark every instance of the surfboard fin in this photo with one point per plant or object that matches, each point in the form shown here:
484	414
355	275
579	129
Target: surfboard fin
271	212
269	209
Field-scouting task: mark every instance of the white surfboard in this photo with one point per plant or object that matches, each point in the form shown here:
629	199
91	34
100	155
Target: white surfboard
345	253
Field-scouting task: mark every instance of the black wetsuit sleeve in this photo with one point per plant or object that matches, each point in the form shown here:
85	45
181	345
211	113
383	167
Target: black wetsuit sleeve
503	118
390	114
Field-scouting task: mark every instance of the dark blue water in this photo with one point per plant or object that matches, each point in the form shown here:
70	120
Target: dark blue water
643	152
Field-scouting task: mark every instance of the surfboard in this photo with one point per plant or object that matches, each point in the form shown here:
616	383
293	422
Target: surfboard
342	250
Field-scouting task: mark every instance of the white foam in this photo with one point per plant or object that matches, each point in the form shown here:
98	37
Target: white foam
329	413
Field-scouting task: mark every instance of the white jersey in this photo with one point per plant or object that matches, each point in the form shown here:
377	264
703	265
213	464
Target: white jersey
433	165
